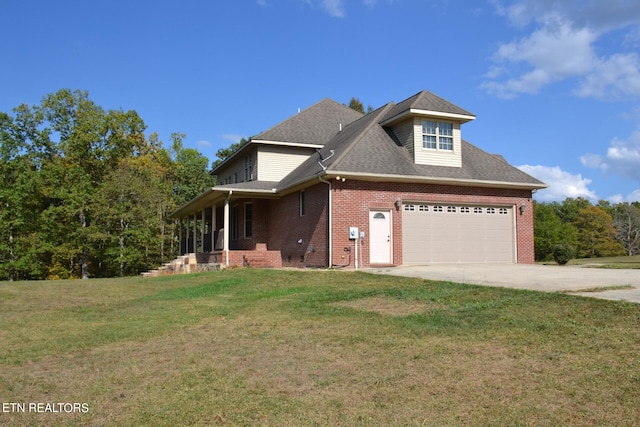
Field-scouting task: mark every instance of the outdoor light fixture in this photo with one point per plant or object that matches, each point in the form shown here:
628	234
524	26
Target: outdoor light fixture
522	208
398	203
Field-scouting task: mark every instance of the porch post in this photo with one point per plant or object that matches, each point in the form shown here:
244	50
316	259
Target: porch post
180	237
213	227
226	227
202	229
186	242
195	234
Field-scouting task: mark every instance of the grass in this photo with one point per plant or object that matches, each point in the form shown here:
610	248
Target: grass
619	262
268	347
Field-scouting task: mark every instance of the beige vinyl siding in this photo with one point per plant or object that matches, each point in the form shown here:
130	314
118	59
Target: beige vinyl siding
235	173
274	162
404	132
425	156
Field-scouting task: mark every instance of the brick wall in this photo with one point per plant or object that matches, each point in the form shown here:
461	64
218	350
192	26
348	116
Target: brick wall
353	200
301	239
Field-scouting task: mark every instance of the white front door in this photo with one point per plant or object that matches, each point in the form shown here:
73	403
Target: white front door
380	237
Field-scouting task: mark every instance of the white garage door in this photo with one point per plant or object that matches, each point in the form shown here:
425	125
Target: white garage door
453	233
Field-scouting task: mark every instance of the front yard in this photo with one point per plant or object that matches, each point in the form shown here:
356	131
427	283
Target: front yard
289	347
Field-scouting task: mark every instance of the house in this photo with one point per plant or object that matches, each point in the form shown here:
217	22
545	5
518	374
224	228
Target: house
332	187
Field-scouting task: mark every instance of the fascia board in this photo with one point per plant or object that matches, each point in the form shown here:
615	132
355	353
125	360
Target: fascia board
434	180
288	144
463	118
193	203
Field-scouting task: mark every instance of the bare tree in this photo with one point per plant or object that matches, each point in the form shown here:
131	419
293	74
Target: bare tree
627	222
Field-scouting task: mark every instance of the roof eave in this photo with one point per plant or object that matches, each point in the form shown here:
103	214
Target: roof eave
462	118
287	143
207	197
434	180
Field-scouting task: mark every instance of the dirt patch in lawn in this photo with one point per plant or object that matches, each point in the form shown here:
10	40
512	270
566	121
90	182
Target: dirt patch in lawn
388	306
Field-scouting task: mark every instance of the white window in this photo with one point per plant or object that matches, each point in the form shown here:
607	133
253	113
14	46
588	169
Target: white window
451	209
437	208
423	208
477	210
504	211
249	174
248	220
464	209
409	208
491	210
437	135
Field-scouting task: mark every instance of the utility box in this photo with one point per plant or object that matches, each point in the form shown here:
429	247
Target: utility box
353	233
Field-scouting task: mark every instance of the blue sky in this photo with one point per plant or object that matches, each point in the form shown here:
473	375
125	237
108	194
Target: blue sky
555	85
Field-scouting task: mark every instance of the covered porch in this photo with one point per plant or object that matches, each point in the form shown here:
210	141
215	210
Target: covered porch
227	227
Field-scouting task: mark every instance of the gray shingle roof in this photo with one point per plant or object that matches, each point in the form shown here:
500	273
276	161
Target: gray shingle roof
365	148
425	100
317	124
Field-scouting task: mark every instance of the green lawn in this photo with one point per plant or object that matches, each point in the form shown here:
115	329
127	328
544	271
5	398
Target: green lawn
284	348
631	262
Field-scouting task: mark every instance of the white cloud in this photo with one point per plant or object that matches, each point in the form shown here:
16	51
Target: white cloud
562	184
334	8
634	196
204	144
613	77
231	137
622	157
563	45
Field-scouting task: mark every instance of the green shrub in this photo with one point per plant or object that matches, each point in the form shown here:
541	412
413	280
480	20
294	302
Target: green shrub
563	253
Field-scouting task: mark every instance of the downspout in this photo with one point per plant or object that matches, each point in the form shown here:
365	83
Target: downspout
329	218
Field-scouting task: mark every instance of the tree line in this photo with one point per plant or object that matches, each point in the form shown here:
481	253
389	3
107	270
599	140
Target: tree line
84	192
599	230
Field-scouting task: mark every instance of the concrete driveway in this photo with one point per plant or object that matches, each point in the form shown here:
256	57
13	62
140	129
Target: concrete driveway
548	278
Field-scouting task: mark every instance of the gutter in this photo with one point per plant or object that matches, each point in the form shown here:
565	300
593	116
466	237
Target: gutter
439	180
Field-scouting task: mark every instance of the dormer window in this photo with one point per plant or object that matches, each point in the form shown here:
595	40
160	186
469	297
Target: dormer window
437	135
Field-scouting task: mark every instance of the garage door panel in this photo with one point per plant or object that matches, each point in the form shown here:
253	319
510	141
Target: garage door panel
457	234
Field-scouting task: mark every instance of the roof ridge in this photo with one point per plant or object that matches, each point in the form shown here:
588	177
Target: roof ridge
380	112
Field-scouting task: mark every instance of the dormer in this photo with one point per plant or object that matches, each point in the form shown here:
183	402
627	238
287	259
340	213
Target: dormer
429	128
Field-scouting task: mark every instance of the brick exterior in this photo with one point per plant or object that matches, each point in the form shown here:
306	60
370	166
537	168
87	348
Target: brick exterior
282	237
353	200
287	227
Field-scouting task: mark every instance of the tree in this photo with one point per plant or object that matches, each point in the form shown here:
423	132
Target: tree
550	231
596	233
356	105
20	196
627	222
91	142
191	174
126	220
224	153
568	210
